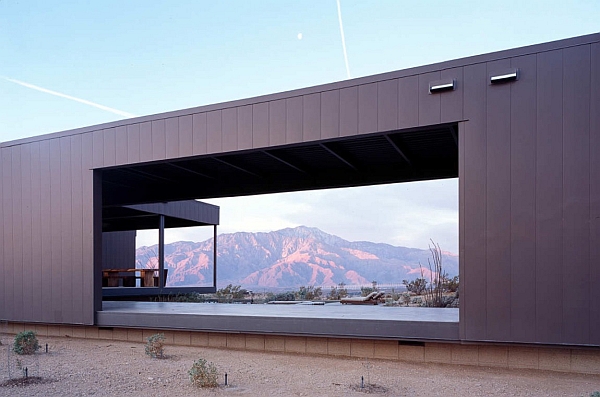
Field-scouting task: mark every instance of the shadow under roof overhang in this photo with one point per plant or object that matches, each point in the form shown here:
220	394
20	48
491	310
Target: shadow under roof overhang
423	153
146	216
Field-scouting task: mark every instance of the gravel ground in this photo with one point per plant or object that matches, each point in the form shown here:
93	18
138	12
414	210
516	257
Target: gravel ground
77	367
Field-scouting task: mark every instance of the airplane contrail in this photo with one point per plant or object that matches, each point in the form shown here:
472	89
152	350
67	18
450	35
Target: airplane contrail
72	98
339	8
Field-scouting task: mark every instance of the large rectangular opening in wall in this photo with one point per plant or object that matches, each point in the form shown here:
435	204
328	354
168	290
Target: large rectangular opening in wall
368	164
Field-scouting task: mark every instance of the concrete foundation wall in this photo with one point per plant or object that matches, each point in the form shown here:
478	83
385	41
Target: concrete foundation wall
564	359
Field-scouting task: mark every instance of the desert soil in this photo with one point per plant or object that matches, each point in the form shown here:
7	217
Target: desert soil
77	367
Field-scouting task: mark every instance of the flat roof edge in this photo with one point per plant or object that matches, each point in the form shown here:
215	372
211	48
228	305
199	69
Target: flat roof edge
459	62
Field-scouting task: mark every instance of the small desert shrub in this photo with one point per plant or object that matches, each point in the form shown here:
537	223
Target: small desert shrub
26	342
155	346
203	374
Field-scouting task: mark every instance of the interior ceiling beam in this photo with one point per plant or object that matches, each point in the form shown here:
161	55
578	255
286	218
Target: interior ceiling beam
148	175
191	171
236	167
338	156
283	161
397	149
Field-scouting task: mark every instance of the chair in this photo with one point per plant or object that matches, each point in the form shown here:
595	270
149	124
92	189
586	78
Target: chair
156	279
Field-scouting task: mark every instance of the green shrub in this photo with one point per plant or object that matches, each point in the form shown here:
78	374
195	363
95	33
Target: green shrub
155	346
26	342
203	374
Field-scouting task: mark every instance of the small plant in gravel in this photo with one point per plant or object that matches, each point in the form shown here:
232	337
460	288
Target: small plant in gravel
155	347
203	374
26	342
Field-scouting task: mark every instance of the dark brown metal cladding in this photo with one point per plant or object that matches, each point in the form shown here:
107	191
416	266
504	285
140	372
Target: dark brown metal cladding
118	249
595	195
523	123
527	158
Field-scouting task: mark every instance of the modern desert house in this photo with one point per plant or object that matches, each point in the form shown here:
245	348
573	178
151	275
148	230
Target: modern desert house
519	128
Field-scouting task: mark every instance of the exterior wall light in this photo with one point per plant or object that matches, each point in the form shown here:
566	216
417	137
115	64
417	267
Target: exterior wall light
505	77
441	86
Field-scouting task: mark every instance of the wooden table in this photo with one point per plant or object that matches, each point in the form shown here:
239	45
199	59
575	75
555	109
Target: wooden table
112	277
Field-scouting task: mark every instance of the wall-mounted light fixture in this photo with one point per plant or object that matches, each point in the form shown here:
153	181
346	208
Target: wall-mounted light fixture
504	76
441	86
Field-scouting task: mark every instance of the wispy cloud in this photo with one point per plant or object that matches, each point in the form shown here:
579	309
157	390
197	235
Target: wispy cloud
72	98
339	8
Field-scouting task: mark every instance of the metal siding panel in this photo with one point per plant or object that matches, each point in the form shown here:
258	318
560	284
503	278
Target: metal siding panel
159	140
349	111
474	279
277	116
172	137
3	221
330	114
576	195
145	141
133	143
260	125
98	155
199	138
214	132
498	207
451	103
549	152
110	147
121	143
87	203
66	247
311	117
37	257
186	136
408	104
230	134
56	235
461	223
244	127
387	105
293	126
77	231
429	104
8	276
46	226
27	234
367	108
522	199
595	195
17	230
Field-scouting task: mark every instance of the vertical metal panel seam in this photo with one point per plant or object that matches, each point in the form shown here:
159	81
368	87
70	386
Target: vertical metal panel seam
485	202
562	189
222	132
589	253
535	204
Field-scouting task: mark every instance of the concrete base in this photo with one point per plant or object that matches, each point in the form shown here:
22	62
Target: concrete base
561	359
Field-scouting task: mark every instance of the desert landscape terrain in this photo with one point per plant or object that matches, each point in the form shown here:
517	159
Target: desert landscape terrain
84	367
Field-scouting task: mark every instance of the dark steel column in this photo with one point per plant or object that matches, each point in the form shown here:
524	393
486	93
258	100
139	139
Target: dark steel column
215	257
97	239
161	252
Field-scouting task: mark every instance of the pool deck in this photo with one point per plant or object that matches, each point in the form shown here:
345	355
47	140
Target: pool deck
329	320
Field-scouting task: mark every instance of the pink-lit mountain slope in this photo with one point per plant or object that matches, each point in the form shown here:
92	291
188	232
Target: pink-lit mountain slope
290	258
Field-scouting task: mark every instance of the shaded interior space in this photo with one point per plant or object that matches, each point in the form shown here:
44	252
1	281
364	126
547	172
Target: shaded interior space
330	320
122	275
424	153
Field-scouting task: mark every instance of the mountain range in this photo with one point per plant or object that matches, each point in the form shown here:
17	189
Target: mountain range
290	258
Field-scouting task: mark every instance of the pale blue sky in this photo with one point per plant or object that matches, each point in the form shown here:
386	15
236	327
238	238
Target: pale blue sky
145	57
